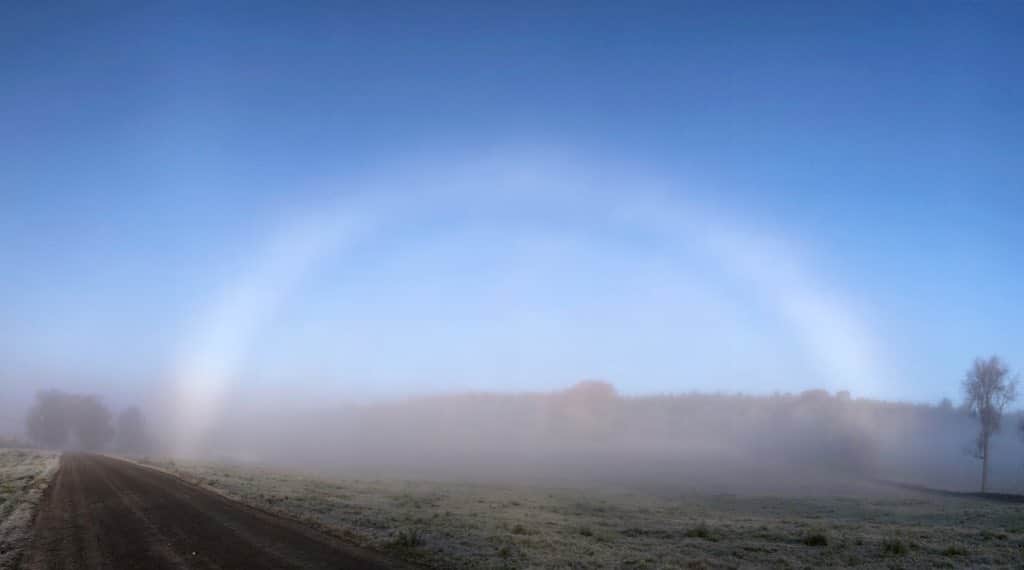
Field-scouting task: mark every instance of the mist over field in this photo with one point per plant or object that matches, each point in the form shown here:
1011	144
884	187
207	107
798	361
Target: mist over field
813	442
809	443
336	350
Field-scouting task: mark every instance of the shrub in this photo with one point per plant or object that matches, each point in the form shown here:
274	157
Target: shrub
700	531
954	550
989	535
894	547
816	539
408	538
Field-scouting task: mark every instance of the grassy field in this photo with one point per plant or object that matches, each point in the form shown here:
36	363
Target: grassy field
23	475
491	526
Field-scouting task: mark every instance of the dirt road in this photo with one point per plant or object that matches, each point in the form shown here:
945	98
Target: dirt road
101	512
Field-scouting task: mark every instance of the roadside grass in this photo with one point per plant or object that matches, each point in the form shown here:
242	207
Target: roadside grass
894	547
24	474
816	539
468	525
700	531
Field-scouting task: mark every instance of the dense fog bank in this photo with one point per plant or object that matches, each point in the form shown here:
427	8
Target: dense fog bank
811	442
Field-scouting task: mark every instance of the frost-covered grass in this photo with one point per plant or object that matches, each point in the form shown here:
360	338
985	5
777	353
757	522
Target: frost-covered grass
496	526
24	474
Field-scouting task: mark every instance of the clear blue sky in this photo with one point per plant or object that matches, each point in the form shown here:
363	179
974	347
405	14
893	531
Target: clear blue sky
150	155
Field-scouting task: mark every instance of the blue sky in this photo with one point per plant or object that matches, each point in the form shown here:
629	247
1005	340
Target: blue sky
829	191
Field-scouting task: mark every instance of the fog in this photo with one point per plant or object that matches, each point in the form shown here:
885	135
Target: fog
814	442
454	351
810	443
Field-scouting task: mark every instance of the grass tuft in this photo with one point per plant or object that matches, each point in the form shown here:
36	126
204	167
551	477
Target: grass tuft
954	550
702	530
894	547
816	539
408	538
990	535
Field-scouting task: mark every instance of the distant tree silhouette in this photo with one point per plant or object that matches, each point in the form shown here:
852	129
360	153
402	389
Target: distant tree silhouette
56	415
91	421
131	431
585	410
987	391
47	423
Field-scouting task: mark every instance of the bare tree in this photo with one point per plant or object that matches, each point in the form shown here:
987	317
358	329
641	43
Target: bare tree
987	391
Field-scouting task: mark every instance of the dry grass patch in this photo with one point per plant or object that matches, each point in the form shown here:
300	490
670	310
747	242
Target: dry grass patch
816	539
24	474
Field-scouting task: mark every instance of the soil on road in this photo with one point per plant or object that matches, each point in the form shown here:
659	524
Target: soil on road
101	512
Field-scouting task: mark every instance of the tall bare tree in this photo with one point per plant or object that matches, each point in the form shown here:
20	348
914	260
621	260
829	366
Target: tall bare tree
988	388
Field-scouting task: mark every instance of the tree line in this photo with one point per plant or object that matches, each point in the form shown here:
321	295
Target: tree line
61	420
65	420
